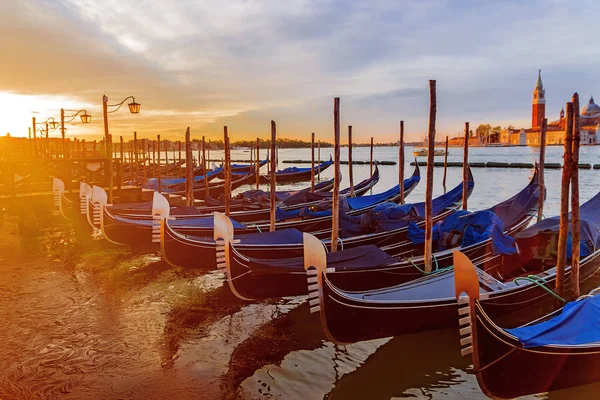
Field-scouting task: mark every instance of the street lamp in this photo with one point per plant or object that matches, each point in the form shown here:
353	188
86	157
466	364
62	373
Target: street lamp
85	118
134	108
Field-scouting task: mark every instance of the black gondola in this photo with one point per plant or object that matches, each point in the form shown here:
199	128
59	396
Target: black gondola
134	229
558	351
295	174
510	284
180	248
255	278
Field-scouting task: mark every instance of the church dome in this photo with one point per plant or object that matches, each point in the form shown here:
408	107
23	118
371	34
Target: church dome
590	108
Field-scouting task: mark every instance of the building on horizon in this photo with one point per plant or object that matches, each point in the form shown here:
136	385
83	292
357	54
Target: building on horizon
589	122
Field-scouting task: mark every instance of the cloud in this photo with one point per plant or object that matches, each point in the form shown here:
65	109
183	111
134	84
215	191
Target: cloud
205	64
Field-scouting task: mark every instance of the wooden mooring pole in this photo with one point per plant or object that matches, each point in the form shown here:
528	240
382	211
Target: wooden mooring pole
542	186
227	172
429	188
189	170
465	193
205	164
257	171
273	175
135	159
335	207
445	164
561	258
312	162
401	162
575	225
158	172
319	161
371	161
350	169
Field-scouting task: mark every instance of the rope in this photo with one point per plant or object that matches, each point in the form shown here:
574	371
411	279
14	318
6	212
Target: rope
430	272
540	282
496	360
255	226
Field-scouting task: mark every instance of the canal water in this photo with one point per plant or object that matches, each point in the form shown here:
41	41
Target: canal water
83	319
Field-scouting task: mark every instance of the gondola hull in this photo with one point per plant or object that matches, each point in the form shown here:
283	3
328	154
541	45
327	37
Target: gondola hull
198	244
351	317
304	174
504	368
271	281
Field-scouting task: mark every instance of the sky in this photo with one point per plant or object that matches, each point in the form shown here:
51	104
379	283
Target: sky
242	63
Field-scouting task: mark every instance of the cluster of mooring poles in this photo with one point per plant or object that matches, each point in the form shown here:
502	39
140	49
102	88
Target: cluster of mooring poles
570	181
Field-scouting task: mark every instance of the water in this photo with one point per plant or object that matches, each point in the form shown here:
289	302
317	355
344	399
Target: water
83	319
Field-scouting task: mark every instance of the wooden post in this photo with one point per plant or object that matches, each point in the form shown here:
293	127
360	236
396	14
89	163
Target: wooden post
179	150
227	171
445	164
335	206
158	172
561	258
153	158
312	162
272	175
122	159
35	150
350	169
135	159
204	162
109	159
319	157
189	169
371	162
200	156
465	193
257	172
144	158
575	225
166	153
429	188
401	163
541	169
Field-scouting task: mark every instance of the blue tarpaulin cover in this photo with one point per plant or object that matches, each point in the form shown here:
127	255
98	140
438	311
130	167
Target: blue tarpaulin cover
352	259
389	216
589	218
296	169
282	236
577	324
323	208
153	182
464	228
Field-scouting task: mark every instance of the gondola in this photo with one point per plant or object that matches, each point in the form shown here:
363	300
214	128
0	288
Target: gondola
295	174
255	278
243	168
558	351
183	249
134	229
511	283
174	184
297	201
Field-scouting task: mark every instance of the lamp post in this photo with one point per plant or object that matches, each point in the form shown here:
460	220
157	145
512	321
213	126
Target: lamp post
85	118
49	123
134	108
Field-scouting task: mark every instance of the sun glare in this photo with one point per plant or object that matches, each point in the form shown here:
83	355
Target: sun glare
17	110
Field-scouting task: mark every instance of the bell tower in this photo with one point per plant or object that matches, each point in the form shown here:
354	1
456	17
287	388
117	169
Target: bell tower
538	103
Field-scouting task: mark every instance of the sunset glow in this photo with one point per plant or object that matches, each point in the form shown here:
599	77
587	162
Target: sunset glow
202	65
